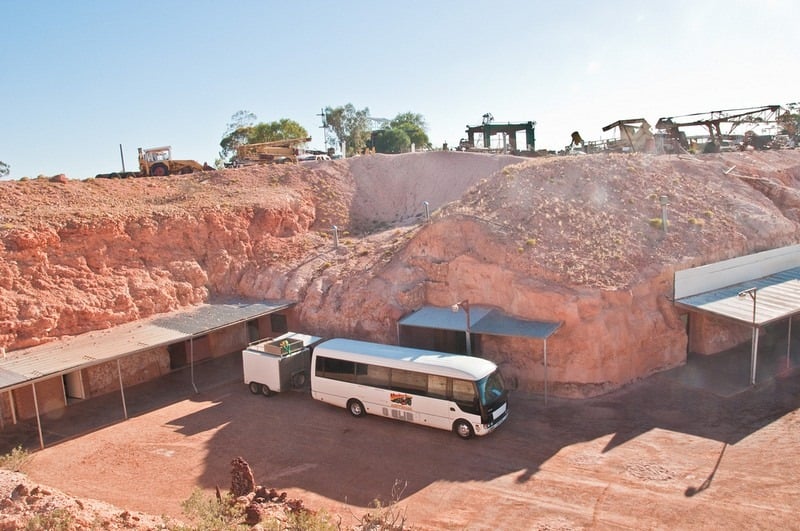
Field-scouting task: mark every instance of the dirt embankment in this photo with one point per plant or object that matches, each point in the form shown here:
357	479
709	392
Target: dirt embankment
569	239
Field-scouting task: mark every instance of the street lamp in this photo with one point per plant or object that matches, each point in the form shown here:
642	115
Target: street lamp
465	305
752	292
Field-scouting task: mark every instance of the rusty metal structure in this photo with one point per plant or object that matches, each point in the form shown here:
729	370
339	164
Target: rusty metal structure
714	121
635	135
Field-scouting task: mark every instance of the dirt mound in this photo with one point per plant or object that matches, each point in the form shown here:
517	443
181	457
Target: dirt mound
393	189
597	220
25	504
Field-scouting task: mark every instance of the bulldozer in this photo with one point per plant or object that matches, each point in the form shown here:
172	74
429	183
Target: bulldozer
157	162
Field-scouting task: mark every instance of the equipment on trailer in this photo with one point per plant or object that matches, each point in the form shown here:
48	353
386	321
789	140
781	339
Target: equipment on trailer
277	151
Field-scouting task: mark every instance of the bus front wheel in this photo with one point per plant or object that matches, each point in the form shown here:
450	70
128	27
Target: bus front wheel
463	429
356	408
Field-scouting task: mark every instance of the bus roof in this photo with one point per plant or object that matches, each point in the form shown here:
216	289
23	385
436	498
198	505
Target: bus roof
429	361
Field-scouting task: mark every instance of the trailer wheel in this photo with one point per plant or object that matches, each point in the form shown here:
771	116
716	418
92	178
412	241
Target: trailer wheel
463	429
298	379
265	390
255	387
159	170
356	408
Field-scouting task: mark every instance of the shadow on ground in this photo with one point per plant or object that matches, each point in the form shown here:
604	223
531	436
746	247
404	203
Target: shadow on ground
292	441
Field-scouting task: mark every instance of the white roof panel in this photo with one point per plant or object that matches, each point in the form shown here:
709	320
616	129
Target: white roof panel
483	320
22	367
776	297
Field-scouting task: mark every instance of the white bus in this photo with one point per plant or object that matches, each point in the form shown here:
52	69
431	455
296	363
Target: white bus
447	391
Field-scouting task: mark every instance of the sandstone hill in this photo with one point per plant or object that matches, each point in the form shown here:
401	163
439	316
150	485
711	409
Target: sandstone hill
569	239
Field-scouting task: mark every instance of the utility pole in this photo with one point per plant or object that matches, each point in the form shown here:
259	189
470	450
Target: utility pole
324	127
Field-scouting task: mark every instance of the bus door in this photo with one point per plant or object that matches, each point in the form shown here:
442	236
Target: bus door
440	410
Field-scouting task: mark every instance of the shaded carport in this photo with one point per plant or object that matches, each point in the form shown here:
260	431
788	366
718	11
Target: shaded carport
755	290
473	320
33	365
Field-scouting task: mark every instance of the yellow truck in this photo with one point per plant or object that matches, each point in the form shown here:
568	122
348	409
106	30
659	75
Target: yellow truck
158	162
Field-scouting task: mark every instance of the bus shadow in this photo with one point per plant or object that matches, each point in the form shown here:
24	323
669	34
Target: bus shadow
294	442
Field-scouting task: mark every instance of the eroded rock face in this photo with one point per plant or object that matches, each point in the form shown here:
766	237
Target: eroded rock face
571	240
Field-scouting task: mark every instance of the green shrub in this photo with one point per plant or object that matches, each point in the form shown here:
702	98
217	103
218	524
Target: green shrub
210	514
657	223
55	520
14	459
303	521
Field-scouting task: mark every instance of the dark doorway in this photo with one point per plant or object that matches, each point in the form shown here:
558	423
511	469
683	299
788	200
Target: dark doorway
177	355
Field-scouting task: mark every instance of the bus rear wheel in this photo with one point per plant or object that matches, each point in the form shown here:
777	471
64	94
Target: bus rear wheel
463	429
356	408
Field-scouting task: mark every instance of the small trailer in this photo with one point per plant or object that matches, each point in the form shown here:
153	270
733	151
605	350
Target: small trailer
278	364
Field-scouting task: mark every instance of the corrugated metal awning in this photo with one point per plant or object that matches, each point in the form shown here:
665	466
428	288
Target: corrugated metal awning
26	366
483	320
444	318
777	297
498	324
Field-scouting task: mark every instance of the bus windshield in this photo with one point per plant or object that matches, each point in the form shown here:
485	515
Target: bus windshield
491	388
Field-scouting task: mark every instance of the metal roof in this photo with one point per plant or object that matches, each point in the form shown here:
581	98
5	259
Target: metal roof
776	297
498	324
444	318
26	366
483	320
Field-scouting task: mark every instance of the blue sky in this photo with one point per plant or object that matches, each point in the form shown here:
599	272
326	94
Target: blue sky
79	78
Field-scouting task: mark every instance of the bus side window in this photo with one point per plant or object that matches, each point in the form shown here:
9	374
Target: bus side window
437	386
336	369
372	375
409	381
464	395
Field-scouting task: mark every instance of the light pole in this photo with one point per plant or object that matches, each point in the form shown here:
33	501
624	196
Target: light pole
754	340
465	305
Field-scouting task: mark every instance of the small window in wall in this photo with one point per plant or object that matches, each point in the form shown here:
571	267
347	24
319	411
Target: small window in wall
252	331
73	385
278	323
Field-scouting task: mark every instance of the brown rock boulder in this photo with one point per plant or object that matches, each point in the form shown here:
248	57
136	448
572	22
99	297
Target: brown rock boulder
242	481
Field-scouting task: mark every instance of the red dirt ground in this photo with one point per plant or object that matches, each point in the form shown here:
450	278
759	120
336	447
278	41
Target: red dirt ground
658	454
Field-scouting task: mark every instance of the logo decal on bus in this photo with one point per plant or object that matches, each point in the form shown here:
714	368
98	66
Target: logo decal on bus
401	399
